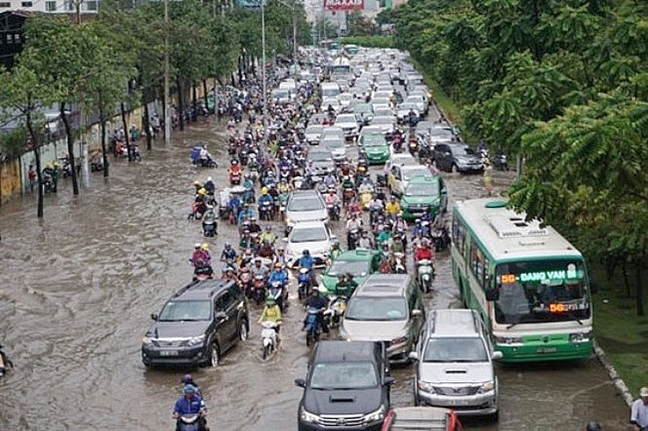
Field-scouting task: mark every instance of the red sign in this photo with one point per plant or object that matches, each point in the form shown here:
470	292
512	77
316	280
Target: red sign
343	4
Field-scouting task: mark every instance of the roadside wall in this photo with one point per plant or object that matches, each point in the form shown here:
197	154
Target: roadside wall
13	174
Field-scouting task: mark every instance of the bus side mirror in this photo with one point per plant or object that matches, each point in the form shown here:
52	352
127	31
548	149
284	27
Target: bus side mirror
492	295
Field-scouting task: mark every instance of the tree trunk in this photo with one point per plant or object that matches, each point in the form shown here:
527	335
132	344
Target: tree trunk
104	153
639	289
70	148
204	83
194	101
181	110
36	147
126	135
147	126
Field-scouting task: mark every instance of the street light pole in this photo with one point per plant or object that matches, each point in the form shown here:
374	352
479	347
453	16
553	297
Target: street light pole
294	17
263	73
167	108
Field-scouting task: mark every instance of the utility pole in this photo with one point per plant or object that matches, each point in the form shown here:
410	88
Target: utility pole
294	17
167	108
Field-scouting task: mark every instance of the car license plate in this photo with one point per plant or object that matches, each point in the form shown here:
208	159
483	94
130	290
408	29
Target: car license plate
459	402
169	353
546	350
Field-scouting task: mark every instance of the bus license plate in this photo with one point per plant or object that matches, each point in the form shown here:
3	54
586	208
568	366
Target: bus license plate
546	350
169	353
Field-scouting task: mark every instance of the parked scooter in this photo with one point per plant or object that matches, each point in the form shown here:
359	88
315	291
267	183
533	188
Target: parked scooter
500	161
268	338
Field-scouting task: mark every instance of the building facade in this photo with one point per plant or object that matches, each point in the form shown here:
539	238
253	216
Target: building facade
50	6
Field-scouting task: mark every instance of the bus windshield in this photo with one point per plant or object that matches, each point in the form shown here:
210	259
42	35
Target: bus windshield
541	291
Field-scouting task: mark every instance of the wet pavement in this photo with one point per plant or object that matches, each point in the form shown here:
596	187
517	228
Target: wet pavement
77	290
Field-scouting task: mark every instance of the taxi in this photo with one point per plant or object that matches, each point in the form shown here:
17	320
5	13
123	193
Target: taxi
375	147
424	194
359	263
400	175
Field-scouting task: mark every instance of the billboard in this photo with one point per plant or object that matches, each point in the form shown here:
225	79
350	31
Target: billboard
343	5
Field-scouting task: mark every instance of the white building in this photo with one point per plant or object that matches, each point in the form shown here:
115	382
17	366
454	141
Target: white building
50	6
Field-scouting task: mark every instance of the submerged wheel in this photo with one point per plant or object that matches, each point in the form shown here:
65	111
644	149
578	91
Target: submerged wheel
454	169
266	351
214	355
243	331
309	339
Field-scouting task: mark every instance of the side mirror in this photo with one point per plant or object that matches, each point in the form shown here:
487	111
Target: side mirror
497	355
492	295
300	382
413	356
389	380
154	316
220	315
285	239
334	237
417	313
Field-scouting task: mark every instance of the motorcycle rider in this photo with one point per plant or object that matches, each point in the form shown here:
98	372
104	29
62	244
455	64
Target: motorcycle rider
266	250
202	268
248	185
329	180
418	228
234	206
245	213
210	216
280	257
198	185
190	403
265	199
365	240
278	274
188	379
353	223
234	169
346	285
247	240
400	225
268	235
209	186
318	302
199	254
228	254
335	251
307	261
259	269
333	200
423	252
393	207
271	313
385	236
229	274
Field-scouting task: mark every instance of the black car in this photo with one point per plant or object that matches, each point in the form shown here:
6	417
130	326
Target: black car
457	158
346	388
197	325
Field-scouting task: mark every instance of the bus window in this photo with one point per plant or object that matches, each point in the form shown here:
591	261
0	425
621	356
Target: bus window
477	262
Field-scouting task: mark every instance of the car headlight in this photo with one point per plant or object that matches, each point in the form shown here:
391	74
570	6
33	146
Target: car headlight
580	337
195	341
147	341
376	416
288	220
307	416
399	340
426	387
486	387
508	340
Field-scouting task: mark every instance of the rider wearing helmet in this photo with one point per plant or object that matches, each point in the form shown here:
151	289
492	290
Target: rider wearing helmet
271	313
316	301
188	379
335	250
265	197
228	253
278	274
268	235
190	403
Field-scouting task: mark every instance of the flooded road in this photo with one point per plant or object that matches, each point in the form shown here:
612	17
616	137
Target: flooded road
77	290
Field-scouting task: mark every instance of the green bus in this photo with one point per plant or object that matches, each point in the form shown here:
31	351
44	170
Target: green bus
528	282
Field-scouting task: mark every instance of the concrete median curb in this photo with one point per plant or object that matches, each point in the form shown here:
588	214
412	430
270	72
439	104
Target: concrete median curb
614	375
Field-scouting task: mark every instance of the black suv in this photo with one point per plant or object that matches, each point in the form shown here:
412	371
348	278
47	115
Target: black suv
196	325
346	388
456	158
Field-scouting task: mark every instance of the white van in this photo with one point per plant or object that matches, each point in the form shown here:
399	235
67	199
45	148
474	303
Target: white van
288	84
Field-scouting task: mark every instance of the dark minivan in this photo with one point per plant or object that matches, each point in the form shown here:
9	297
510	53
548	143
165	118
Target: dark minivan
346	387
457	158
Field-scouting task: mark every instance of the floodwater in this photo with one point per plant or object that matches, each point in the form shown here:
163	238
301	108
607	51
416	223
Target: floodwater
77	290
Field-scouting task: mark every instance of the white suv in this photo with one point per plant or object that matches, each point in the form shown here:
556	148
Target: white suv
455	364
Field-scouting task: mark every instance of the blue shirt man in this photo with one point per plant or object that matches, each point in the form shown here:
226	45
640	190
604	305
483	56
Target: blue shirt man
246	213
278	275
228	253
190	403
306	261
265	198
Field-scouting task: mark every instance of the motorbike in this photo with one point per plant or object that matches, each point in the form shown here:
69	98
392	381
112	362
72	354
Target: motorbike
425	274
97	163
235	178
413	145
313	326
304	283
283	200
5	363
245	277
337	307
440	238
268	338
279	293
399	263
189	422
348	194
366	195
333	211
209	226
48	184
353	236
266	210
500	161
397	143
203	272
257	290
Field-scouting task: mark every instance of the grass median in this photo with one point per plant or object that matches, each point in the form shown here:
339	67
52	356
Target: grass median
619	331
